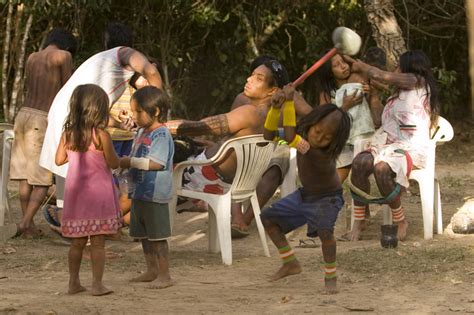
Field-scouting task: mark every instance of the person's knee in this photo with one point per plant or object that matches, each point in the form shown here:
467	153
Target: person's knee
362	165
79	243
97	241
272	175
382	170
267	223
326	235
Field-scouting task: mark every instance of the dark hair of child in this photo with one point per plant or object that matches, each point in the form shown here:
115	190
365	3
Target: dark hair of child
375	56
316	115
150	98
89	110
324	78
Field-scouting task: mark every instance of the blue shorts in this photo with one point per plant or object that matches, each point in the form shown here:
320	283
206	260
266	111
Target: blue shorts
318	211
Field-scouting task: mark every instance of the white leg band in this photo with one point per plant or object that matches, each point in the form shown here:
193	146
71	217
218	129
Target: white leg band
140	163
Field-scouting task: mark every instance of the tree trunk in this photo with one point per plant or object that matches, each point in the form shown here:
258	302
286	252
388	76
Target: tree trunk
16	89
6	53
470	29
385	30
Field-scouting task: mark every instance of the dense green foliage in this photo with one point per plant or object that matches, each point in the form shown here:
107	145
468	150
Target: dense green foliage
205	46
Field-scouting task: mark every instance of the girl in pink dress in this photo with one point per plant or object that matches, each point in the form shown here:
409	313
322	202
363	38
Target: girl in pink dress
90	201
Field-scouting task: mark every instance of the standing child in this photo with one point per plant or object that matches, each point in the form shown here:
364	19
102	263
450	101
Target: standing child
322	136
151	165
91	205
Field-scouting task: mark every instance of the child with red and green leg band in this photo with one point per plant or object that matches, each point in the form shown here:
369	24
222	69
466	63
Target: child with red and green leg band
320	138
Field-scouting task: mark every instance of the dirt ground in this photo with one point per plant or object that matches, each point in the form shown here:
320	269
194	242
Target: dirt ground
419	276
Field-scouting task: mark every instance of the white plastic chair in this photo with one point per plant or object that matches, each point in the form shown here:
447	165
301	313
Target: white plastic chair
427	181
8	136
289	182
253	155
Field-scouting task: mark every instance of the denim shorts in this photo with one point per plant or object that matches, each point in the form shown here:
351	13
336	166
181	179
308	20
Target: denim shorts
319	211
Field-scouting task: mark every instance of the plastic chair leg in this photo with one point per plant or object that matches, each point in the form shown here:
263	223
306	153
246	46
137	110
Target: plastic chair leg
219	228
213	236
427	198
386	214
8	136
258	221
437	208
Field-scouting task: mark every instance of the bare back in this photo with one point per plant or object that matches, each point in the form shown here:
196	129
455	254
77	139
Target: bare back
46	72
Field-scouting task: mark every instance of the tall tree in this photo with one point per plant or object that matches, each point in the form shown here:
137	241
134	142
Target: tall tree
470	29
14	57
385	29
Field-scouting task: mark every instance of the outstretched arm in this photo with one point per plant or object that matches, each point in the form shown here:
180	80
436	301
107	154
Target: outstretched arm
218	125
214	125
404	81
133	60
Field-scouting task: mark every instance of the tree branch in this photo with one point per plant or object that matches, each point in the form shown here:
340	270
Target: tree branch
272	27
250	35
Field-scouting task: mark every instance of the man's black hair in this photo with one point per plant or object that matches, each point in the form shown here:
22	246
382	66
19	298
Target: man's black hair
63	39
118	34
280	75
260	60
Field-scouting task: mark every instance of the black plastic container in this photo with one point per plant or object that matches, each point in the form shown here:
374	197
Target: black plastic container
389	236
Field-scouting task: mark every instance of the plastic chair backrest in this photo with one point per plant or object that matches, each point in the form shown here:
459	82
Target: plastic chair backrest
253	155
443	131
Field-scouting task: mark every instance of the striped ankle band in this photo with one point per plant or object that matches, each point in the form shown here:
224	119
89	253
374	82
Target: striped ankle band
330	270
287	254
398	214
359	213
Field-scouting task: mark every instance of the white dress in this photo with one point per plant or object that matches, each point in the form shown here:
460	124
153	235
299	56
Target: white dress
103	69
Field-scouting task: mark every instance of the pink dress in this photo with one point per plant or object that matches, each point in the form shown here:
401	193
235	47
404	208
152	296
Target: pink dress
90	200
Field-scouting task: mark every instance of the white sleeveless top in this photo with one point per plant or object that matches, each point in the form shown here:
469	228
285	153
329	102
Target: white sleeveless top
362	122
103	69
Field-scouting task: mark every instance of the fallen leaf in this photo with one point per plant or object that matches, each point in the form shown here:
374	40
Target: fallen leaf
286	299
359	309
9	250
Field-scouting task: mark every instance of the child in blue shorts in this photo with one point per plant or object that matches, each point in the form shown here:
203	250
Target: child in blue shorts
151	182
321	137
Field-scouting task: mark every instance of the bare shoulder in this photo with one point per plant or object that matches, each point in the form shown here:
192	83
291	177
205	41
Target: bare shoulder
355	78
125	53
60	57
103	134
247	111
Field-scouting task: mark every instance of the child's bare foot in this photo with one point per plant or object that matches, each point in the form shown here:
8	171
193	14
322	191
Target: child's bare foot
330	285
76	288
162	283
100	289
148	276
289	269
402	230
